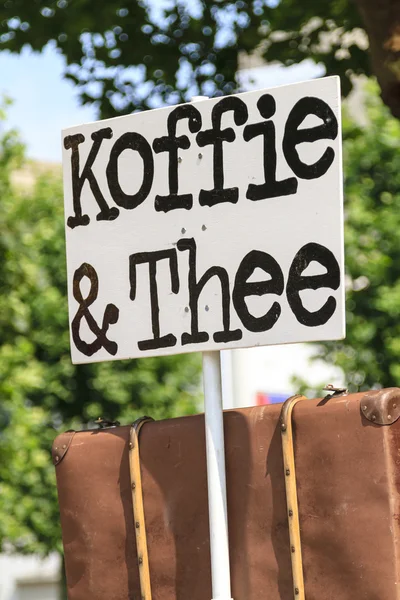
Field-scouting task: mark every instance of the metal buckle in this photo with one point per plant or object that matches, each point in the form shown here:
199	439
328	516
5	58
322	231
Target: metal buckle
336	391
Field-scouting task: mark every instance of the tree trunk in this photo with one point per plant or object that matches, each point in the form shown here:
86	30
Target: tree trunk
382	24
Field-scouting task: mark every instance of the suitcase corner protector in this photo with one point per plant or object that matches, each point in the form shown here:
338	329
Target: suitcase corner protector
61	445
381	407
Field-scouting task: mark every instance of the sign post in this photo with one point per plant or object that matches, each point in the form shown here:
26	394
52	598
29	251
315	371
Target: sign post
216	478
216	224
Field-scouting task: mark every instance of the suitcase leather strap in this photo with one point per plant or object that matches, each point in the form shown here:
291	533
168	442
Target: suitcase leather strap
138	508
291	496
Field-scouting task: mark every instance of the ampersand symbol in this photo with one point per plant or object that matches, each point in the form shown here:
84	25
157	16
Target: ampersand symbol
110	317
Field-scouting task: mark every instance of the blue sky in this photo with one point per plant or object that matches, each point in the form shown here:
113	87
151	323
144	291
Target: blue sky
45	103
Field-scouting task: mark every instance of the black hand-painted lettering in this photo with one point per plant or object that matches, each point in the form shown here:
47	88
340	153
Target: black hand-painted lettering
215	137
298	282
130	141
110	317
271	188
106	213
152	258
294	136
195	289
243	288
171	143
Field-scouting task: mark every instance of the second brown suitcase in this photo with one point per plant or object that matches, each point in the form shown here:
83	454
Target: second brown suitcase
348	478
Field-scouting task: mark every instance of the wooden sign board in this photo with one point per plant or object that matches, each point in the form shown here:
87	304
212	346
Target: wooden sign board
210	225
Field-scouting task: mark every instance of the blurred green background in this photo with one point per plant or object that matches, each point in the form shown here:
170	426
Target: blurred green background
137	56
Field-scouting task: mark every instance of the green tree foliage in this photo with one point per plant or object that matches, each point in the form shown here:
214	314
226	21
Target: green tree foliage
370	354
125	56
41	392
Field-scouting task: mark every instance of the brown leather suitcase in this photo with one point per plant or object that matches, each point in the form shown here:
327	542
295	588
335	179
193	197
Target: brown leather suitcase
347	457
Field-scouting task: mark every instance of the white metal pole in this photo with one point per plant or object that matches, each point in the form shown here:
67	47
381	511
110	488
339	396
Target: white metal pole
227	379
216	478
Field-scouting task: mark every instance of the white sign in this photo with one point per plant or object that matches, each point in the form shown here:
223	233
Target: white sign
210	225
